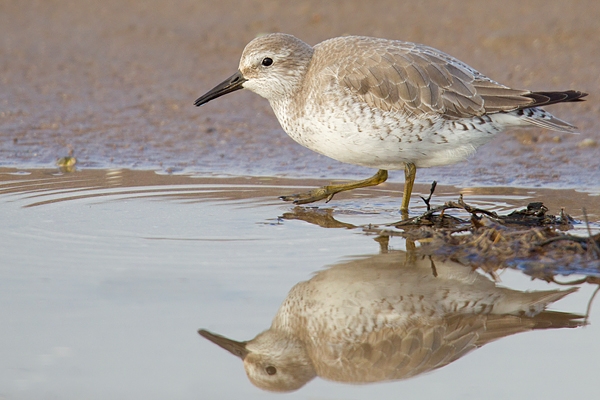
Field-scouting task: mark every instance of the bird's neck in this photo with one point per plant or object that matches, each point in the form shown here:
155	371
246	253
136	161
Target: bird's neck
286	112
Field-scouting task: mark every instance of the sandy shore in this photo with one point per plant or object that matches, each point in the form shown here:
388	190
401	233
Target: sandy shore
115	82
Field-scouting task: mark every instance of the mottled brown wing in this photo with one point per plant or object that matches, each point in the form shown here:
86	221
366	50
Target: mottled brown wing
417	80
392	353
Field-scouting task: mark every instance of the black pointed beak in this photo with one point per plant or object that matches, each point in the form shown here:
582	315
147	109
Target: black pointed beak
231	84
236	348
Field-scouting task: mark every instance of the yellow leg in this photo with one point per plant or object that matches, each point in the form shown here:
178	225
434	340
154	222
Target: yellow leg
330	190
410	172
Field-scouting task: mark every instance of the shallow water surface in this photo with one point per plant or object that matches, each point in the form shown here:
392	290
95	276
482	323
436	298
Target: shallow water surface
106	276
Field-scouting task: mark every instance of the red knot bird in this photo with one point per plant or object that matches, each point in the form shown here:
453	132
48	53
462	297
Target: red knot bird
387	317
384	104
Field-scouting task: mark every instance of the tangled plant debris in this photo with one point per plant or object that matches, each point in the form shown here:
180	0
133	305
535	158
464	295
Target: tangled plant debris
529	239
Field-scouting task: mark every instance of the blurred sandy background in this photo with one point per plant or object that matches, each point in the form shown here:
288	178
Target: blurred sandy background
115	82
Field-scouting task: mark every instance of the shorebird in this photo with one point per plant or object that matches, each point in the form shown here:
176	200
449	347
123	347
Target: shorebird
387	317
384	104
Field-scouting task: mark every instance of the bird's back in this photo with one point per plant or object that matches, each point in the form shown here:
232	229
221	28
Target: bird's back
411	78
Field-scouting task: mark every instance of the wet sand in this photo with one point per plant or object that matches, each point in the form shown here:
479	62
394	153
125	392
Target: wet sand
114	82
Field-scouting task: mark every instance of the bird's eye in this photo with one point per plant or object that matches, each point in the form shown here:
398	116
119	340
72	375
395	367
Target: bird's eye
267	61
271	370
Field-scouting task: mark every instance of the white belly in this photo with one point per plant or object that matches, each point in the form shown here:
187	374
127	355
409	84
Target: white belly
387	141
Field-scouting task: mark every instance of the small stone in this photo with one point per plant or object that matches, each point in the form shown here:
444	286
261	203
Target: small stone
587	143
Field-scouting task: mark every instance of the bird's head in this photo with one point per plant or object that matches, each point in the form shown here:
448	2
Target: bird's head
272	66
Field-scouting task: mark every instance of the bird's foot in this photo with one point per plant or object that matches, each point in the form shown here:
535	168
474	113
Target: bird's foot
327	192
311	196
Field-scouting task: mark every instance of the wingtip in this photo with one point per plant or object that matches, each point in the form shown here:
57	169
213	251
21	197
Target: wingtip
547	98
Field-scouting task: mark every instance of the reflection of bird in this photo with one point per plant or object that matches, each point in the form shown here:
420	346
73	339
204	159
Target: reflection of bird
387	317
382	104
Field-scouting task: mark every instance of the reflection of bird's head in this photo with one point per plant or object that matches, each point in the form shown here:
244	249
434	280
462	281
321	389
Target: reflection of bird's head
271	360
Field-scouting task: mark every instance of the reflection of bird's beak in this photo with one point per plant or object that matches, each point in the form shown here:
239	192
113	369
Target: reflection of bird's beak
235	348
231	84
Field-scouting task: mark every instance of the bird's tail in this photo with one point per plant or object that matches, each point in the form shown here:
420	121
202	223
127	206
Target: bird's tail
542	118
529	303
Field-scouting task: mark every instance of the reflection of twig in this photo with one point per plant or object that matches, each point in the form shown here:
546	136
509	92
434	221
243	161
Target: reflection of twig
570	238
433	268
590	240
572	283
593	244
589	307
